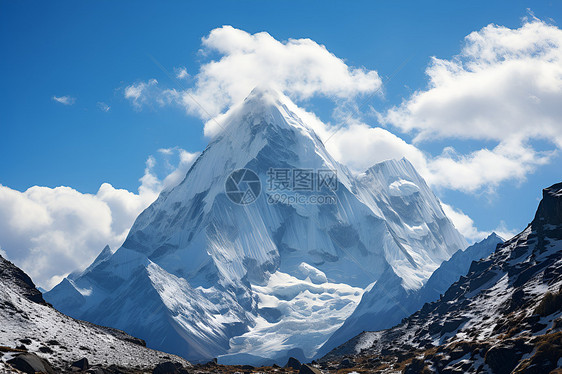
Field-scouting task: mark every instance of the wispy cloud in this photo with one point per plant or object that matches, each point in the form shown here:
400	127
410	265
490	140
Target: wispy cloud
181	73
65	100
103	106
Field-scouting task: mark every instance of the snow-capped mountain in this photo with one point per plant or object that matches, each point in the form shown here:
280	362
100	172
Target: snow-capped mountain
29	326
503	316
202	276
371	314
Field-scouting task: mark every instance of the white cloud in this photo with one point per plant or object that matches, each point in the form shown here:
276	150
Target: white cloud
504	83
181	73
103	106
301	68
484	168
360	146
466	226
186	159
66	100
482	93
50	232
142	93
504	86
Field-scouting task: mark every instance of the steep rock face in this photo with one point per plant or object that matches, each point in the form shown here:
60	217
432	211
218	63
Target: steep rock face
503	316
202	277
30	324
371	314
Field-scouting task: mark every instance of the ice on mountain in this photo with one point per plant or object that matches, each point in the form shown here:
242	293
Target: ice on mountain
201	276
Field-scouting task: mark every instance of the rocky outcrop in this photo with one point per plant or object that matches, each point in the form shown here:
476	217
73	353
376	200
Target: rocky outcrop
34	337
503	316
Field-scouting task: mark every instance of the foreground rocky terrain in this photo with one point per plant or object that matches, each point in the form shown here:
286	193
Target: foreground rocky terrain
35	337
504	316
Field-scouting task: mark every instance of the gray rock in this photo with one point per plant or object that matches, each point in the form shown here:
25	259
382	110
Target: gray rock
169	367
31	363
307	369
293	363
81	364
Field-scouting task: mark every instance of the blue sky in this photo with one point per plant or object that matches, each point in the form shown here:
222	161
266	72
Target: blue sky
90	52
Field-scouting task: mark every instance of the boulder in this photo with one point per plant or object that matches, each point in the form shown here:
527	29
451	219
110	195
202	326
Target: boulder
346	363
169	367
81	364
31	363
293	363
307	369
95	370
502	358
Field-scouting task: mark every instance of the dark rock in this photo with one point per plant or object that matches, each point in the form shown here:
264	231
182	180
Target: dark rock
169	367
95	370
451	325
415	367
136	341
44	349
212	363
31	363
114	369
346	363
14	275
502	358
293	363
25	341
307	369
81	364
458	352
550	207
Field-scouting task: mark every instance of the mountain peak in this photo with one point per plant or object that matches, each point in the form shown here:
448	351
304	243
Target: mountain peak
196	238
550	207
391	165
11	275
494	236
264	91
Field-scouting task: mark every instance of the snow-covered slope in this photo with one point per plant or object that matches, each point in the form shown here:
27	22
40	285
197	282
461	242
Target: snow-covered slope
504	316
26	319
201	277
372	314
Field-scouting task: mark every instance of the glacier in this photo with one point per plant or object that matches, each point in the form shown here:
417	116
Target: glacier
202	277
371	314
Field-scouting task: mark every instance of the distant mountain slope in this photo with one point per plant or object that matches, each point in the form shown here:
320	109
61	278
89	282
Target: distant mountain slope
451	270
28	322
504	316
371	314
202	276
